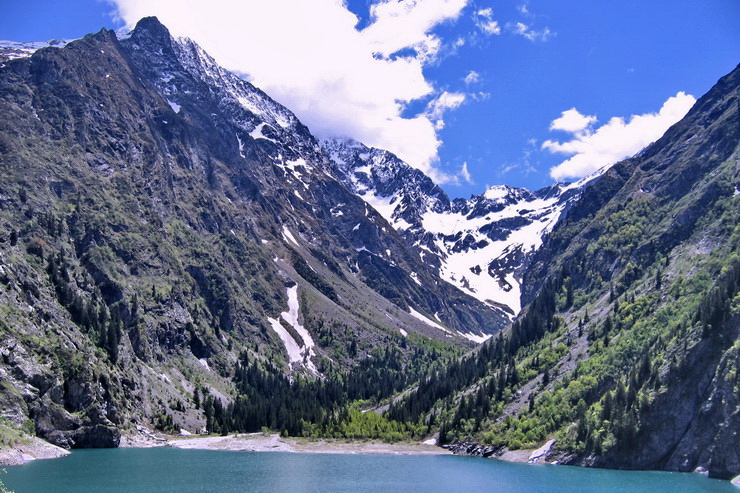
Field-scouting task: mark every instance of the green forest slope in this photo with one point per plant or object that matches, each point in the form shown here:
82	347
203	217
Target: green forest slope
627	352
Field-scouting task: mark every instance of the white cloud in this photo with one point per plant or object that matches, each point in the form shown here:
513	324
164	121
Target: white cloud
615	140
473	77
461	177
572	121
526	31
444	102
402	24
484	21
465	174
310	56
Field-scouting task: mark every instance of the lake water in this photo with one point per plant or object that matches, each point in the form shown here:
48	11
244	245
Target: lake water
185	471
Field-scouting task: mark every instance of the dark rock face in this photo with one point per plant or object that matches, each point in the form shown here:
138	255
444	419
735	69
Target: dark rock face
56	425
694	424
472	449
96	436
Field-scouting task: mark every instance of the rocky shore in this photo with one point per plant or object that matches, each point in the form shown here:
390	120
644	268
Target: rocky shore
540	455
30	450
260	442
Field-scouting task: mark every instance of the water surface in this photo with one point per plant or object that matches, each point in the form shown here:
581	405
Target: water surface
185	471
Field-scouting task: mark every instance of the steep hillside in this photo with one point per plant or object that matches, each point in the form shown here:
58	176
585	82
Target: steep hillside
163	221
626	354
482	245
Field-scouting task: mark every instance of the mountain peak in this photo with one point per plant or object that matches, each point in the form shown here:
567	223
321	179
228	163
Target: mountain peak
152	26
152	36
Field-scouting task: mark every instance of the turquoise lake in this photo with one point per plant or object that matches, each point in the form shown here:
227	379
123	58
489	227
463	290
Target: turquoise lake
184	471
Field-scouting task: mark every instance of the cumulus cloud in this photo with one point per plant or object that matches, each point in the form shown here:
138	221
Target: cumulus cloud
341	80
404	24
572	121
592	148
484	21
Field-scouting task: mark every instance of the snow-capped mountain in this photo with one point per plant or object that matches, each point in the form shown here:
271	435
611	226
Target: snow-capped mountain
10	50
482	245
219	157
400	193
165	219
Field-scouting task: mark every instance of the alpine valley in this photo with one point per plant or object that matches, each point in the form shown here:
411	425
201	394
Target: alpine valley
178	252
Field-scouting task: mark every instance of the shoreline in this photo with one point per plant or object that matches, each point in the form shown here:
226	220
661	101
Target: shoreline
261	442
37	449
34	449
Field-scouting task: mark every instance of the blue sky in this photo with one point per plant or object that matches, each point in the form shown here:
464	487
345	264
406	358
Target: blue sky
473	92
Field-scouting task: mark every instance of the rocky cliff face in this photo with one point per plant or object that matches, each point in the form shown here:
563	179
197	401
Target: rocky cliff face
656	240
159	217
690	178
482	245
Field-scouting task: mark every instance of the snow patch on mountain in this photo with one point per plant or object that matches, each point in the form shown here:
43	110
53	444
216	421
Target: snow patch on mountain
241	146
11	50
479	339
288	236
415	277
384	205
470	245
299	352
256	133
426	320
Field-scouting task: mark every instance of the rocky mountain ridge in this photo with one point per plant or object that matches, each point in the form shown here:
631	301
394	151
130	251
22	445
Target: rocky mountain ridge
482	244
161	219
